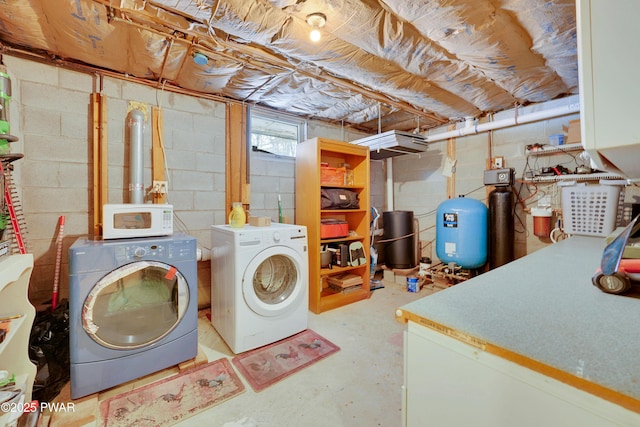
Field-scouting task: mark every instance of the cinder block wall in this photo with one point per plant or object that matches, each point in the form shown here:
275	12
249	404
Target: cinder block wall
420	186
273	176
50	113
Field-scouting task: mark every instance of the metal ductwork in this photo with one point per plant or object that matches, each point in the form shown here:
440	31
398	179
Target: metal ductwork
136	157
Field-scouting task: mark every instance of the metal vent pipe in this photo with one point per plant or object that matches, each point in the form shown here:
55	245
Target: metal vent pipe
136	157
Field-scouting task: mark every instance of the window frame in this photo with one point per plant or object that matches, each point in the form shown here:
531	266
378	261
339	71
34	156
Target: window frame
286	119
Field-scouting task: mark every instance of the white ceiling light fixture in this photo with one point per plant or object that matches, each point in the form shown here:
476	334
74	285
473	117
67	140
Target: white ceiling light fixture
316	21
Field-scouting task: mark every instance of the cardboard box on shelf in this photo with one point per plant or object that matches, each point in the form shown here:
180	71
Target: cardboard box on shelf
573	132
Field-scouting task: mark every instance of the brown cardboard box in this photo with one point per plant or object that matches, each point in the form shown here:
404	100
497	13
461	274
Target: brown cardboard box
260	221
573	132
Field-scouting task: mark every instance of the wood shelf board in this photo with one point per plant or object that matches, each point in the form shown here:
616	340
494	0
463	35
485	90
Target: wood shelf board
349	187
342	239
343	211
337	270
331	300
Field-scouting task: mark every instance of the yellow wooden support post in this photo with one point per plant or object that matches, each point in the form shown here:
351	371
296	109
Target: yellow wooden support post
489	164
100	160
237	172
451	155
157	157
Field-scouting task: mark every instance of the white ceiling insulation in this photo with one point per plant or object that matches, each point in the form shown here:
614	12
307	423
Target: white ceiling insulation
380	65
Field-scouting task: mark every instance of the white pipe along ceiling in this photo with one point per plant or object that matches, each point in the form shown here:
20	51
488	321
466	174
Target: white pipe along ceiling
471	128
411	63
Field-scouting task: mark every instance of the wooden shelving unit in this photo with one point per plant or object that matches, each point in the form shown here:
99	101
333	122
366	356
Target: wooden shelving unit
310	154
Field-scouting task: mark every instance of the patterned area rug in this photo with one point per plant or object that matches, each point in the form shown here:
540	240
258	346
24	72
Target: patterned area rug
173	399
267	365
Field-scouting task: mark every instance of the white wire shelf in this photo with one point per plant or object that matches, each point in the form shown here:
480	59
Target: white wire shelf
552	149
580	177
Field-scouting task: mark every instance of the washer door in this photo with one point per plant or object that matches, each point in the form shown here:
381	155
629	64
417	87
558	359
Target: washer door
135	305
272	283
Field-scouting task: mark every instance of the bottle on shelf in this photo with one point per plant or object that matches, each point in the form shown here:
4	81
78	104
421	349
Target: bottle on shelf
348	174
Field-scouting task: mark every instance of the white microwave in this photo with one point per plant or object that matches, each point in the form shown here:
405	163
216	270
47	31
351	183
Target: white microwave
121	221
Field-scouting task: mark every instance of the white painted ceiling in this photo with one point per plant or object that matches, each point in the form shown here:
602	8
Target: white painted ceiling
380	65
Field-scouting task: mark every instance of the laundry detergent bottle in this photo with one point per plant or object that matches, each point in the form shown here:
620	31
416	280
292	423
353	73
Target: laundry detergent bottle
237	217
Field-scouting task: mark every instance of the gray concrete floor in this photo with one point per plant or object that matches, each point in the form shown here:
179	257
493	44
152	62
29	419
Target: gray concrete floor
360	385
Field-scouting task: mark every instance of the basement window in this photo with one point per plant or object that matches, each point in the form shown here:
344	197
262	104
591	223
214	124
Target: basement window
274	133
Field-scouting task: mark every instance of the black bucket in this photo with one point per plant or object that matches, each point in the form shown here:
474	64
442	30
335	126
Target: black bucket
399	252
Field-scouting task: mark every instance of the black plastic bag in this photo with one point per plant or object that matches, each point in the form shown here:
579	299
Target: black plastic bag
49	351
338	198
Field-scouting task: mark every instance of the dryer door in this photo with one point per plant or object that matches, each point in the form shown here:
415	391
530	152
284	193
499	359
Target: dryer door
135	305
274	281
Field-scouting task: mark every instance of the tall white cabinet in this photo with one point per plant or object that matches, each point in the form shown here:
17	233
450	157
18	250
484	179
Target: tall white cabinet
15	272
608	64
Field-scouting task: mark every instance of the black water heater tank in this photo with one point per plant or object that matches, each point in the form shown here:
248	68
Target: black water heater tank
501	227
399	251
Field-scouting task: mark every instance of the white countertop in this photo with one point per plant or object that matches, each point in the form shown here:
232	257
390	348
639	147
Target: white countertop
544	308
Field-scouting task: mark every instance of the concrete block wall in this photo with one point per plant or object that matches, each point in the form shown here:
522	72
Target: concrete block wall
50	112
273	176
420	186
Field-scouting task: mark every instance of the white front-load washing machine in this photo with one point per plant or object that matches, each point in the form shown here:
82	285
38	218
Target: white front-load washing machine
259	283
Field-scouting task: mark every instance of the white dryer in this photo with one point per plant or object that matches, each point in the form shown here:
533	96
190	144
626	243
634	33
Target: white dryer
259	283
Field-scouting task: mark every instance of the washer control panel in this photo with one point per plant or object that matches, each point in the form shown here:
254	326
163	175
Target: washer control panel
252	236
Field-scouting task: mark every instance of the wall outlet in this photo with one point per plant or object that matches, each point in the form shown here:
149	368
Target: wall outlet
159	187
497	162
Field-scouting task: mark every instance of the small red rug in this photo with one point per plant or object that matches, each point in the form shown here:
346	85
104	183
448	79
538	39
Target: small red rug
267	365
173	399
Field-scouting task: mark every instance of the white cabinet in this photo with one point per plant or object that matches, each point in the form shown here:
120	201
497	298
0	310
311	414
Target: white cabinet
451	383
531	343
15	272
609	59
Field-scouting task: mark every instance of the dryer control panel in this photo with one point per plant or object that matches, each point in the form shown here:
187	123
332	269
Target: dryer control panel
153	249
137	251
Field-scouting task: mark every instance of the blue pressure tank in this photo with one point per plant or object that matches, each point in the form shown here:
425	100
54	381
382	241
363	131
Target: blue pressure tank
461	232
